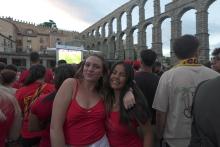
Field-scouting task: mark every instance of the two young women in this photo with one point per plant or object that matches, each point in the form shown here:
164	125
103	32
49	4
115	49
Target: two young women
79	113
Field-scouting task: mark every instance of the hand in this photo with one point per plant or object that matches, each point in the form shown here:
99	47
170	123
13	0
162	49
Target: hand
129	100
2	116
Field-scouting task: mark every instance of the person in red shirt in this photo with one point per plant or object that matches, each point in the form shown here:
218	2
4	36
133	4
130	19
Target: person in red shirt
35	59
41	109
122	125
10	118
34	86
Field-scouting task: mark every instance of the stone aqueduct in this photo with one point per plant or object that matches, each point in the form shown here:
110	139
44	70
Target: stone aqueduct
114	47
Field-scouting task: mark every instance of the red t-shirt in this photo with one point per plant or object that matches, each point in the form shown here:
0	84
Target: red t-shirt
42	108
121	135
84	126
8	110
25	101
48	78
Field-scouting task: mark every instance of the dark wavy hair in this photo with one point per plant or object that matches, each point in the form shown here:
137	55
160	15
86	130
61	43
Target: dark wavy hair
7	76
100	84
36	72
62	72
141	110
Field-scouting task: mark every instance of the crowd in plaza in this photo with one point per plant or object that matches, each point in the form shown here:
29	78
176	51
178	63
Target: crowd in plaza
122	104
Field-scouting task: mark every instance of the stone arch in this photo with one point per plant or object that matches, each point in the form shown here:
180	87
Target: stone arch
105	26
99	31
207	4
113	23
149	7
135	20
160	21
93	33
184	10
166	36
121	17
187	28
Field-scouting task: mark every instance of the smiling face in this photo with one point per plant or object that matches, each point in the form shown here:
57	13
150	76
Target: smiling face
118	77
93	69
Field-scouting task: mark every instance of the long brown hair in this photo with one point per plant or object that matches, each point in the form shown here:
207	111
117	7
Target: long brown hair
102	80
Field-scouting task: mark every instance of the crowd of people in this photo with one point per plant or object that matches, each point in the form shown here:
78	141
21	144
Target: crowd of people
126	104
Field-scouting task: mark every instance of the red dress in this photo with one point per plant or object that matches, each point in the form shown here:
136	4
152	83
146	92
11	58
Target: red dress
42	108
7	108
84	126
120	135
25	102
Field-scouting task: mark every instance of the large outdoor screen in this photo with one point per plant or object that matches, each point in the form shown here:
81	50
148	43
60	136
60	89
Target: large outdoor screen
71	56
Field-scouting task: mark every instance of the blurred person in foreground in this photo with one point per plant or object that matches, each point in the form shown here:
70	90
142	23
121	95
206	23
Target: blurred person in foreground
206	112
215	60
10	119
174	94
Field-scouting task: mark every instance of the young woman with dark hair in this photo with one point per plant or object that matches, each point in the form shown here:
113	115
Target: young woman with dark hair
41	109
34	86
122	124
79	114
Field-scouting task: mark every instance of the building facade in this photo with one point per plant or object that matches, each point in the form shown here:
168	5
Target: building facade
19	38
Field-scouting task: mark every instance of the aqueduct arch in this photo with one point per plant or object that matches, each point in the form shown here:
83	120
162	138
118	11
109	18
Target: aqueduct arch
173	10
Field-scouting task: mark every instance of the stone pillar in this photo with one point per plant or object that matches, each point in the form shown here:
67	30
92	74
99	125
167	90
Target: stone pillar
118	24
176	28
157	10
141	39
129	38
129	20
103	31
129	46
157	40
97	32
202	34
141	31
110	29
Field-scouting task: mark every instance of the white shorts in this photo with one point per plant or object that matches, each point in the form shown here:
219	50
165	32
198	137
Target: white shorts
103	142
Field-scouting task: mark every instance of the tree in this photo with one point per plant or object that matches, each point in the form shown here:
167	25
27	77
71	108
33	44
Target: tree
49	24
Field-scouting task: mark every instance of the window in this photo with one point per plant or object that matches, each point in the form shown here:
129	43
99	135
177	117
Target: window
29	32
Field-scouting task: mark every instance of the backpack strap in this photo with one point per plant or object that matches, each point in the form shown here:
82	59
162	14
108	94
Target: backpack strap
36	94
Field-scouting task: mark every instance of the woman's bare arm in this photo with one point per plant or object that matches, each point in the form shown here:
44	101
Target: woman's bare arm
148	134
60	105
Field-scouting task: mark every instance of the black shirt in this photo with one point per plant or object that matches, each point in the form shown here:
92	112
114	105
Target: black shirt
148	82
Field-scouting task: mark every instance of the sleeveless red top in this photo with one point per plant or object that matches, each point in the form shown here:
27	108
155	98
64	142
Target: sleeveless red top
121	135
84	126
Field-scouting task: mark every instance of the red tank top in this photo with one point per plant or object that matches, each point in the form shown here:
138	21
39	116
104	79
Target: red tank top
84	126
121	135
